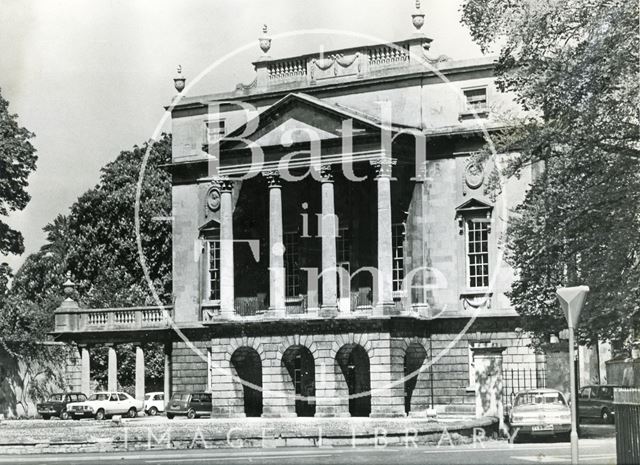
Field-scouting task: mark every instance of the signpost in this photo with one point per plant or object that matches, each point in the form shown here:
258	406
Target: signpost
572	300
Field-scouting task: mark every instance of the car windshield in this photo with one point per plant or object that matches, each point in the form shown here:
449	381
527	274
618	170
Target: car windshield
147	396
540	398
182	396
99	397
56	397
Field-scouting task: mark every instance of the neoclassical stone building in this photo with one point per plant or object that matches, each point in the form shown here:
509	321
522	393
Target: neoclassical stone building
336	250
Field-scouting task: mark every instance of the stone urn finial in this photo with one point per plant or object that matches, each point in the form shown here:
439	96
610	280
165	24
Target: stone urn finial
179	80
418	17
265	40
68	286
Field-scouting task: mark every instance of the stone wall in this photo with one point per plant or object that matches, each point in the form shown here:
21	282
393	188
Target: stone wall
188	367
24	381
452	369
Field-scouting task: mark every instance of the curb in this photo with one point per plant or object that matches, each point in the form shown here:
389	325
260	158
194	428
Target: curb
207	435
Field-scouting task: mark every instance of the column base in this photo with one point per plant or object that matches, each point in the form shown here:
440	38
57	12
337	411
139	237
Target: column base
218	412
386	412
328	311
329	414
279	415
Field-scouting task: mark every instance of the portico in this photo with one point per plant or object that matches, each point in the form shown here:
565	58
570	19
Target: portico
317	199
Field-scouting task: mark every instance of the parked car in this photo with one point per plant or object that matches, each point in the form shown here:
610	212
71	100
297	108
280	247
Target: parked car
597	402
153	403
541	412
191	404
103	404
56	405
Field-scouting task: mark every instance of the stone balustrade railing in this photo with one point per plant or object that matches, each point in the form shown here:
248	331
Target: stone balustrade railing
351	62
74	319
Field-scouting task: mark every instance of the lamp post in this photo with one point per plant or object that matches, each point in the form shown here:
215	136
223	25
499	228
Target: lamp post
572	300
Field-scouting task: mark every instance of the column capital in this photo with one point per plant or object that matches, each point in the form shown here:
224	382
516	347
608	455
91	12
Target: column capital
383	166
326	173
273	178
224	184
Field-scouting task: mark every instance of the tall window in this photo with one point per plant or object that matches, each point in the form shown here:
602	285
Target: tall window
214	269
477	253
343	246
292	263
476	99
398	255
214	130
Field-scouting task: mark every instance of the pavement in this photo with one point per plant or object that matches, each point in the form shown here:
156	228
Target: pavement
592	451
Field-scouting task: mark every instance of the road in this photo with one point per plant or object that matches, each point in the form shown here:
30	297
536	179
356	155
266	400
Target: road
592	451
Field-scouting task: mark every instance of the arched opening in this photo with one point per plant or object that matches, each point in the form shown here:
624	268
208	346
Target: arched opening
354	363
413	359
300	365
248	366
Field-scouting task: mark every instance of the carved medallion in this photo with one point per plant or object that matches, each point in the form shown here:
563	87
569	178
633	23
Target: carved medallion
213	198
474	175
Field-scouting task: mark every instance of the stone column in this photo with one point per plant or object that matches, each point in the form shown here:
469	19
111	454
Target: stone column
276	246
112	369
328	233
417	242
85	370
168	346
140	388
227	303
487	360
384	305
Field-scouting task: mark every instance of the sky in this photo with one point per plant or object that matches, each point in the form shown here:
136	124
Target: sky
91	78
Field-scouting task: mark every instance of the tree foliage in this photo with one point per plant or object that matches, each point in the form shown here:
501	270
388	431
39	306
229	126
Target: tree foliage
573	65
17	161
96	243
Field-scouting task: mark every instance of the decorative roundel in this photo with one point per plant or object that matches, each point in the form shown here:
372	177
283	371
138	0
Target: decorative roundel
474	175
213	198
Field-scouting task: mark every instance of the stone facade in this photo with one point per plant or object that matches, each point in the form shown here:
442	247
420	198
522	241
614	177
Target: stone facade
363	278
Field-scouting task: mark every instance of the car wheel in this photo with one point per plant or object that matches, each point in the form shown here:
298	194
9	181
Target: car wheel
132	413
606	416
170	416
191	414
100	415
46	417
153	411
64	415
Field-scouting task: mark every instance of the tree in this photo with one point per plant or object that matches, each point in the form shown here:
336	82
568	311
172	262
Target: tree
573	65
17	161
96	242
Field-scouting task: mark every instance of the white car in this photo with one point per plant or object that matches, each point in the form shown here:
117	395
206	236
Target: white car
103	404
153	403
541	412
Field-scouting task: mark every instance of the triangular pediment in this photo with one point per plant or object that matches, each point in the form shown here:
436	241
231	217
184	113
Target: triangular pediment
293	131
299	118
474	204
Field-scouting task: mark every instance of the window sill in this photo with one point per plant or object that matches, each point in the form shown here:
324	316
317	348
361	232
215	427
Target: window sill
477	291
467	115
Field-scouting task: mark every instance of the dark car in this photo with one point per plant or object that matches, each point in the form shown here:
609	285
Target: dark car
191	404
596	402
56	405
